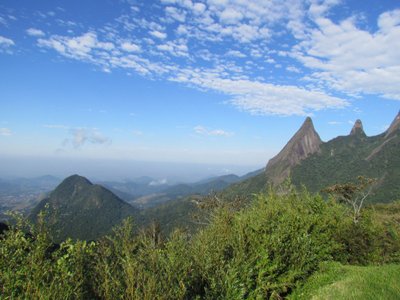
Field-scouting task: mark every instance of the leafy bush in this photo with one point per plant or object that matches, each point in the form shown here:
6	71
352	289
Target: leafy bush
32	266
141	267
265	250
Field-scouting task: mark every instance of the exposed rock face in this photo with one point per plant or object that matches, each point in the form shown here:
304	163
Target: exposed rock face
394	126
305	142
358	129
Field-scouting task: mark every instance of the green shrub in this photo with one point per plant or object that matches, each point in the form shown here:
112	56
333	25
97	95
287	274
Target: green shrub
30	267
266	249
132	266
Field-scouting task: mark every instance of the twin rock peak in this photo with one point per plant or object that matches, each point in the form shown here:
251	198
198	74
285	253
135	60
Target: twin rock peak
306	142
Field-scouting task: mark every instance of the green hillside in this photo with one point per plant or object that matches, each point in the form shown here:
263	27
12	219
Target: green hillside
172	214
344	158
338	282
247	188
81	210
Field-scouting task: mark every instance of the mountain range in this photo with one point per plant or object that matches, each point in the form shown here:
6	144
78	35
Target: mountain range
309	161
79	209
180	191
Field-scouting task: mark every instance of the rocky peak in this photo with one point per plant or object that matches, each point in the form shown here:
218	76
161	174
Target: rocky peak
357	128
305	142
394	126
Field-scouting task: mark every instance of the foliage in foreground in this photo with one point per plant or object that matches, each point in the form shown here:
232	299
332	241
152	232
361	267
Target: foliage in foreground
263	251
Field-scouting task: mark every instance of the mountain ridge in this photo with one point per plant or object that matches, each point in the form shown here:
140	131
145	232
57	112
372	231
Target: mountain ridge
338	160
394	126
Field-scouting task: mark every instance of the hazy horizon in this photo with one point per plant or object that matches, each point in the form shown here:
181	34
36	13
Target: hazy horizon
115	170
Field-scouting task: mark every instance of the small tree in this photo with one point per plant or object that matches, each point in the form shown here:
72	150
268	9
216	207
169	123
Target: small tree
352	194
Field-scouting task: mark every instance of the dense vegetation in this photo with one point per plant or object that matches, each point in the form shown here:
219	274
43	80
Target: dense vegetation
263	251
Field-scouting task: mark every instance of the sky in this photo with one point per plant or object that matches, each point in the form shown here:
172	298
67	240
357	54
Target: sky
221	85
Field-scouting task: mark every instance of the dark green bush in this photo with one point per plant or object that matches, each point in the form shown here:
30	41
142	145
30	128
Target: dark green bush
266	249
32	267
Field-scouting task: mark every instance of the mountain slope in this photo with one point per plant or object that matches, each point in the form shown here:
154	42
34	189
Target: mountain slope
81	210
344	158
316	165
180	191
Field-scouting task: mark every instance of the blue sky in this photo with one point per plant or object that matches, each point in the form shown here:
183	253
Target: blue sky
213	82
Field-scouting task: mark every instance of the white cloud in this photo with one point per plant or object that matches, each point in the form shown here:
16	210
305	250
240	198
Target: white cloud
319	8
168	1
178	48
5	132
211	132
293	69
130	47
230	16
246	33
35	32
158	34
244	21
260	98
6	42
235	53
81	136
80	47
175	14
353	60
199	8
388	20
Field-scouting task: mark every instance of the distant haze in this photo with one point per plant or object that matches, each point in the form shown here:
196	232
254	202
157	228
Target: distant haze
103	169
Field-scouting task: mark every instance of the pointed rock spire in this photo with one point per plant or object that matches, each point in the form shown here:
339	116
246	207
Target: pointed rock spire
394	126
357	128
305	142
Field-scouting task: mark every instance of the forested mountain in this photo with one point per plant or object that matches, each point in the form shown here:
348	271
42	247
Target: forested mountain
82	210
315	164
346	157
